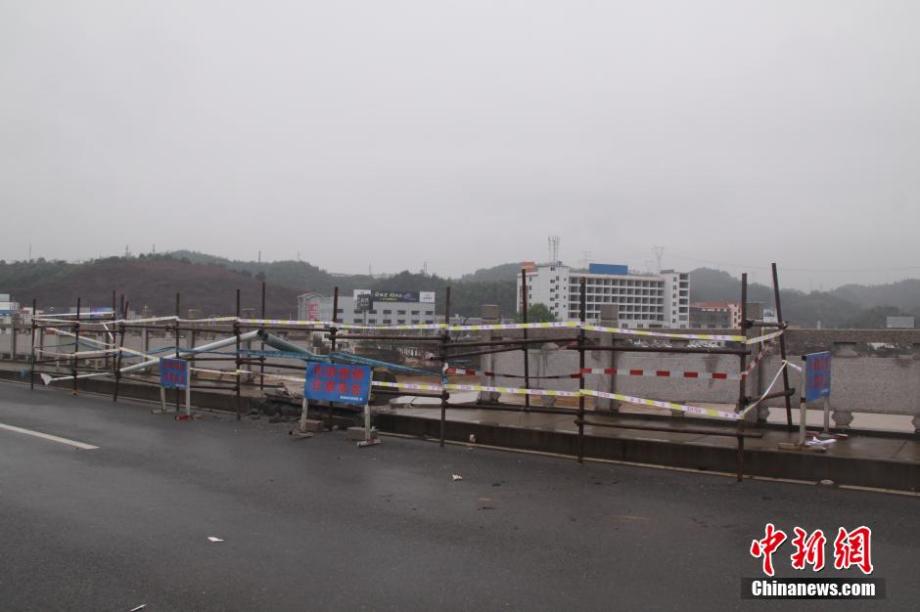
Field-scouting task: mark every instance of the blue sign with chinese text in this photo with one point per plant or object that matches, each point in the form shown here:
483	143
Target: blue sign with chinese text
817	376
345	384
173	373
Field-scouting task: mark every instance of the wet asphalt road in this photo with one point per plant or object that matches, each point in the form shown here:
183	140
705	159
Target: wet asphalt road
321	525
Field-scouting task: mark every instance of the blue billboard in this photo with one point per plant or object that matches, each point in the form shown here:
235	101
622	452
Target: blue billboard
817	376
597	268
345	384
173	373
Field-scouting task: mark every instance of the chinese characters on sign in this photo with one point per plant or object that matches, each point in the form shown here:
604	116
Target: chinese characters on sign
851	549
817	376
173	373
346	384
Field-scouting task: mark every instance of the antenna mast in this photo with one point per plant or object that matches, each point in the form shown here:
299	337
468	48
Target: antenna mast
659	253
553	242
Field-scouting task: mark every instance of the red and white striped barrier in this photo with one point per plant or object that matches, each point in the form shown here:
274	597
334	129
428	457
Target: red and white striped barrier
692	374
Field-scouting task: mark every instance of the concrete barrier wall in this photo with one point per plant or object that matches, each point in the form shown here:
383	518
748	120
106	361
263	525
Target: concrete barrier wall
561	362
873	371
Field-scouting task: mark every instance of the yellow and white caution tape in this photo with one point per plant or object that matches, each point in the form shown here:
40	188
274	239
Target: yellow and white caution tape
500	326
765	337
655	334
712	412
511	390
328	325
82	354
286	322
408	386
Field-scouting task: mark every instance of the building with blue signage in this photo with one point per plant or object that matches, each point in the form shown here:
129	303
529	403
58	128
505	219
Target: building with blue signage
643	299
369	307
8	307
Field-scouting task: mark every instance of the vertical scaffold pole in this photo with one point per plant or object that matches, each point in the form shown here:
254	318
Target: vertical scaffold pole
178	310
742	384
445	341
41	339
262	358
76	348
524	346
111	333
121	345
332	342
782	345
582	316
236	332
32	366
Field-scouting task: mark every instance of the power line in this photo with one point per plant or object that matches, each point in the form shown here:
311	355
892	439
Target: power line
792	269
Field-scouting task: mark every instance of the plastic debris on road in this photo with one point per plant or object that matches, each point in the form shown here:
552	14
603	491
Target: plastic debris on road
213	539
456	477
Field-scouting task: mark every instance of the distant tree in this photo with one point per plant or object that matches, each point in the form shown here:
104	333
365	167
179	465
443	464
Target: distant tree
538	313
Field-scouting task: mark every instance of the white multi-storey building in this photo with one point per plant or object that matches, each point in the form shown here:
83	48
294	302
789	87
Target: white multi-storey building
643	300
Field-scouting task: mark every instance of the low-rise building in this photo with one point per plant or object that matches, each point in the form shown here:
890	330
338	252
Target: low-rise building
715	315
8	308
371	307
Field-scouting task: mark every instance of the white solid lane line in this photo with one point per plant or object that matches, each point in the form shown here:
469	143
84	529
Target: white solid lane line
58	439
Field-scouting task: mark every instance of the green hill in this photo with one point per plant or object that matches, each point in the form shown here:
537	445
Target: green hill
209	283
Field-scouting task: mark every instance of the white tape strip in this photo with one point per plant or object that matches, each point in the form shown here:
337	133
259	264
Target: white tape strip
408	386
326	325
83	354
722	414
654	334
754	404
512	390
765	337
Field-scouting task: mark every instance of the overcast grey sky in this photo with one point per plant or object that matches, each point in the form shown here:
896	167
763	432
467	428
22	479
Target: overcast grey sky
462	133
